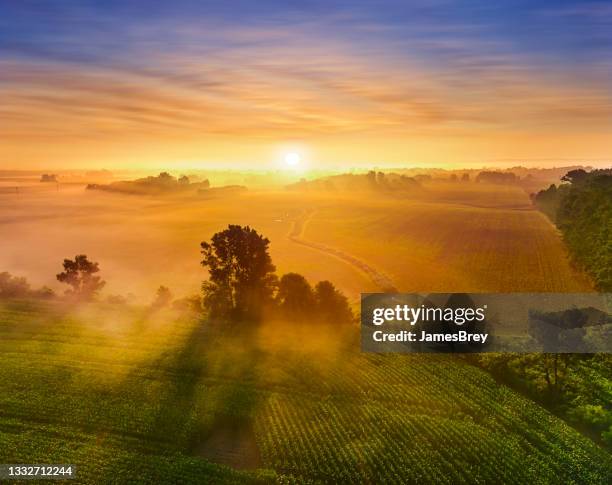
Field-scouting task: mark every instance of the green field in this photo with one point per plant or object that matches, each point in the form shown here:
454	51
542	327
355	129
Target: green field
132	396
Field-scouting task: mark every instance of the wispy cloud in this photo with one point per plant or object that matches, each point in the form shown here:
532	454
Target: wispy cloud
293	75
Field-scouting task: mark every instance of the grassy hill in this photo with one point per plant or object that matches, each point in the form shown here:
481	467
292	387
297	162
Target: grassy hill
137	396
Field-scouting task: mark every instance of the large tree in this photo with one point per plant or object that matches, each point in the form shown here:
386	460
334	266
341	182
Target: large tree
80	275
295	297
241	274
332	306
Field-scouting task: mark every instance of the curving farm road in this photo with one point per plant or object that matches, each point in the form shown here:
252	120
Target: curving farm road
296	235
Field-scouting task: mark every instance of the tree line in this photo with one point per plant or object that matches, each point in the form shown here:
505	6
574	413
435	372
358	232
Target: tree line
243	285
575	386
582	210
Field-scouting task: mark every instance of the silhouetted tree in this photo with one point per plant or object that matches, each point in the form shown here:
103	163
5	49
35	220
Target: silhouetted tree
575	176
80	275
191	303
295	297
371	179
381	181
242	279
13	286
48	177
548	201
331	305
163	297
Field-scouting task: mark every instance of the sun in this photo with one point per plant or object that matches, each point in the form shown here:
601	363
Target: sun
292	159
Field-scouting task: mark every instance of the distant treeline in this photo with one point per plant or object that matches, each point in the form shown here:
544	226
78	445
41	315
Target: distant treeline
406	181
164	183
497	177
582	210
372	181
18	287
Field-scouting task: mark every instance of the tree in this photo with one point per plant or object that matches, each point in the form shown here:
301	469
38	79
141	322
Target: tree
575	176
191	304
381	181
331	305
13	286
241	274
80	275
48	177
548	201
371	179
295	297
163	297
582	210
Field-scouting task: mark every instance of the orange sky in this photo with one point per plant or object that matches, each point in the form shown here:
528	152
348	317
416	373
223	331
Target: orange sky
241	96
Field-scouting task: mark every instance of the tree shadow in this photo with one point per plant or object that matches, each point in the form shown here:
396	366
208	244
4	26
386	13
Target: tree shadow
205	391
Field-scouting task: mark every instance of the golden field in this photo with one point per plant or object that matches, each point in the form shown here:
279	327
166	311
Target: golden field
449	237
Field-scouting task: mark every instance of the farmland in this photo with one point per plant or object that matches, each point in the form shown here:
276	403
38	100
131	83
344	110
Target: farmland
144	242
482	238
451	237
133	393
140	397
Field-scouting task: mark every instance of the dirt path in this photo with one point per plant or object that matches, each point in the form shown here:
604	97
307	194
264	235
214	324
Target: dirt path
296	235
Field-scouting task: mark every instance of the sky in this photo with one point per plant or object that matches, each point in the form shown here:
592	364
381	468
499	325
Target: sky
196	84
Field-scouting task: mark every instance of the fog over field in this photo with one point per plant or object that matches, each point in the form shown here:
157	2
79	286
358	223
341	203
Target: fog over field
445	237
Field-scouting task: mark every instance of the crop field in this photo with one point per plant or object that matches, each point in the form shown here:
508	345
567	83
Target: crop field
143	397
479	238
131	393
450	237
